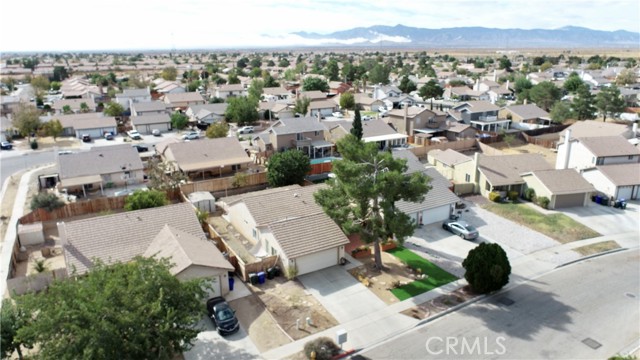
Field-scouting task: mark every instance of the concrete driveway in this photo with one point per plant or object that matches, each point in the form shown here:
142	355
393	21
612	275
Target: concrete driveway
210	345
341	294
607	220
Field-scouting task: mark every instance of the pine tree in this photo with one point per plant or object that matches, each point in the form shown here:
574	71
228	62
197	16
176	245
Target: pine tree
356	129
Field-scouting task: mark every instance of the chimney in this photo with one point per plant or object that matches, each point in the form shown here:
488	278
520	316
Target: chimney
567	152
507	85
476	160
495	75
634	129
406	124
525	101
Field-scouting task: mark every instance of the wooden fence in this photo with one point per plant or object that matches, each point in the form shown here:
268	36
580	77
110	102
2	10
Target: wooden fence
465	144
75	209
537	136
222	184
320	168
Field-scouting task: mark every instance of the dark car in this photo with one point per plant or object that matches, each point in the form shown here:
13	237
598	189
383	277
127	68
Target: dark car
461	228
86	138
222	316
140	148
6	145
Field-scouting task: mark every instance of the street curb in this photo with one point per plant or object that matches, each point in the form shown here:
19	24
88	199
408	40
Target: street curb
452	309
591	257
5	185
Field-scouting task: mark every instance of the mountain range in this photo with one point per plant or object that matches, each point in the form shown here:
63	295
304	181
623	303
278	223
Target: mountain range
475	37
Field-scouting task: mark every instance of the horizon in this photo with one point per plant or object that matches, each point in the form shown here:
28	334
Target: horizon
196	24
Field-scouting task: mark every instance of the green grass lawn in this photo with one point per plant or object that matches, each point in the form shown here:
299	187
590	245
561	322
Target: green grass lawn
556	226
436	277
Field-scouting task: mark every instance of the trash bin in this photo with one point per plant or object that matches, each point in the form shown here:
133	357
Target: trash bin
262	277
270	273
593	198
231	282
605	201
253	278
598	199
623	205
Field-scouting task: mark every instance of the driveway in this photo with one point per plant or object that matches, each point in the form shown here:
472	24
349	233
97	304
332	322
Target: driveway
341	294
607	220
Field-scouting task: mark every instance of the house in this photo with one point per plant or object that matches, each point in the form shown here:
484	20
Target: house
289	223
372	131
439	202
306	134
412	120
500	173
337	87
463	93
382	92
171	231
367	103
167	87
92	124
182	101
591	128
99	168
76	87
525	114
270	94
399	102
322	107
146	124
207	113
208	157
7	131
75	105
482	115
129	96
445	161
582	153
618	181
277	110
230	90
8	104
564	188
148	108
457	131
314	95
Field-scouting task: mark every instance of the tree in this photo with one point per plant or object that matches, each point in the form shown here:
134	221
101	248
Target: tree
241	110
179	120
362	198
141	199
217	130
487	268
134	310
40	83
55	85
609	101
46	201
560	112
26	119
504	63
314	83
67	110
302	105
287	168
627	76
113	109
430	90
284	63
12	319
84	108
332	70
573	83
582	105
356	128
545	94
53	128
379	74
521	84
169	73
255	90
347	101
59	73
406	85
164	175
233	78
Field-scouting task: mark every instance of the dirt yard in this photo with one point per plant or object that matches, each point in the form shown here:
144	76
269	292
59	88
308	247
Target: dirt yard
521	147
380	282
440	304
288	301
48	143
257	321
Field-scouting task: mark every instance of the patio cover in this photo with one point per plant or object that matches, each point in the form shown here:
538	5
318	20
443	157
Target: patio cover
81	180
321	144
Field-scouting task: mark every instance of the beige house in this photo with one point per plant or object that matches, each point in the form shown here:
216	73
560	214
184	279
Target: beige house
372	131
183	100
306	134
446	161
564	188
367	103
527	113
412	120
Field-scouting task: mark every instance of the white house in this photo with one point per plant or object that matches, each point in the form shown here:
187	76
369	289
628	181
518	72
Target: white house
619	181
129	96
226	91
583	153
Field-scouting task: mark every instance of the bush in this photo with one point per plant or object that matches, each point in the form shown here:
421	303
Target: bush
141	199
512	195
34	145
291	272
324	348
529	194
543	202
47	201
487	268
494	196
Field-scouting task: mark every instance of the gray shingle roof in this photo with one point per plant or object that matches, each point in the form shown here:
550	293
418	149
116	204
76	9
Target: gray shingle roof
186	96
149	106
297	125
270	207
413	163
528	111
566	181
151	119
589	128
207	153
609	146
449	157
622	174
477	106
506	169
98	161
439	195
123	236
371	128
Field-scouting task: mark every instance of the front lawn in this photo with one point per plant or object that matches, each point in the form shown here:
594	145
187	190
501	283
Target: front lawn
556	226
435	276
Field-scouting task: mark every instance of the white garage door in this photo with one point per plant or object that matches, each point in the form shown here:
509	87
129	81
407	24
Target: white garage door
435	215
215	287
625	192
317	261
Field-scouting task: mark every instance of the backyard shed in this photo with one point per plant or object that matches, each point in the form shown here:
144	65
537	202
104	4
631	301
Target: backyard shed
31	234
203	200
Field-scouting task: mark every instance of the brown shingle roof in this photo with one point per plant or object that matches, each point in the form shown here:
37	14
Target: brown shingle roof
207	153
276	206
186	96
566	181
98	161
151	119
622	174
449	157
506	169
609	146
589	128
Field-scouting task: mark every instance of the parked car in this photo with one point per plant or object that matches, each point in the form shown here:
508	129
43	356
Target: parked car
156	132
134	135
222	316
108	136
461	228
337	114
245	130
367	118
65	152
86	138
6	145
141	148
191	135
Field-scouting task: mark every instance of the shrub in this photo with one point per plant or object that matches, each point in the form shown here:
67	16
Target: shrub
487	268
529	194
34	145
291	272
47	201
512	195
324	348
141	199
494	196
543	202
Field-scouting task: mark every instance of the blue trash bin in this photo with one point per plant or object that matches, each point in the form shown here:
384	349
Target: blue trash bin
262	277
231	282
598	199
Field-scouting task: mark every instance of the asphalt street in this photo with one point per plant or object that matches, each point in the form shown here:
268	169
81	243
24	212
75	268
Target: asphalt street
9	164
587	310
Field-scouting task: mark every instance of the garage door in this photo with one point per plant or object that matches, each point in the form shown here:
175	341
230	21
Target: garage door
625	192
569	200
435	215
215	287
317	261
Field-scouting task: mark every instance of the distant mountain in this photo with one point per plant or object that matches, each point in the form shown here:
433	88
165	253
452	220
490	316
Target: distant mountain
475	37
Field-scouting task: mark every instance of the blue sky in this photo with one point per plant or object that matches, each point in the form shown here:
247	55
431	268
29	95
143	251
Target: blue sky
64	25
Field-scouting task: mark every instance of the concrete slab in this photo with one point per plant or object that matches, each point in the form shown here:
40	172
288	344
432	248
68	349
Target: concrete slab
607	220
341	294
240	290
210	345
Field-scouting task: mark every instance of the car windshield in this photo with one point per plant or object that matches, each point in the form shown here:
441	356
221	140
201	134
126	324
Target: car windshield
470	228
225	314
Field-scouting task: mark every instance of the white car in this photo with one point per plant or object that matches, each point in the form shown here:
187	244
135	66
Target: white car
337	114
191	135
245	130
134	135
367	118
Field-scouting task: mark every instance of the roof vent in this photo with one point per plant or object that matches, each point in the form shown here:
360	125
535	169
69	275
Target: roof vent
296	195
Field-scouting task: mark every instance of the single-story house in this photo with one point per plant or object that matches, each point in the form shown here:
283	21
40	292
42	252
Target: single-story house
289	223
324	107
526	113
367	103
564	188
171	231
75	105
148	108
146	124
445	161
207	113
93	124
619	181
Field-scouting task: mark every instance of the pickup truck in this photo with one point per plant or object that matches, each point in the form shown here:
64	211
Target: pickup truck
134	135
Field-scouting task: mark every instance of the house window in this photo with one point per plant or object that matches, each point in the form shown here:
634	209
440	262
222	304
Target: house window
299	136
630	157
487	186
467	178
255	234
600	161
127	174
318	133
235	167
